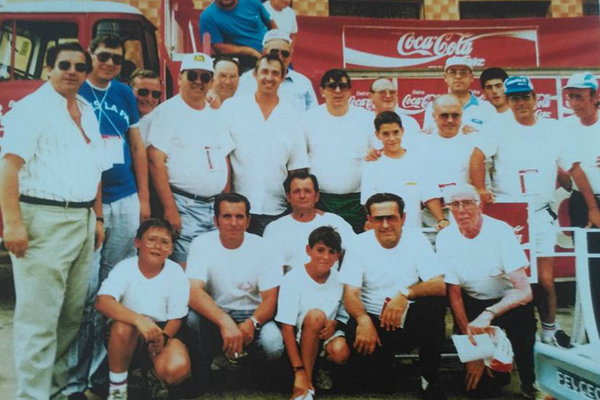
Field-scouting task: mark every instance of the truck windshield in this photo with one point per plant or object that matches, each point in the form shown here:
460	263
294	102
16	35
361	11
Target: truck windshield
32	41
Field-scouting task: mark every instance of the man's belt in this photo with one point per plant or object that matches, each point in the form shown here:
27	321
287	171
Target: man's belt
56	203
193	196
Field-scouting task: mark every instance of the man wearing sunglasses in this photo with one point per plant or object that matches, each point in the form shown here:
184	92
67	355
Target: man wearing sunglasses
295	88
188	149
147	89
125	200
338	137
458	76
526	156
52	160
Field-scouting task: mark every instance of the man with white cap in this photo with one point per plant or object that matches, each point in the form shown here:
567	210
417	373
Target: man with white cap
487	285
458	75
530	178
189	147
295	88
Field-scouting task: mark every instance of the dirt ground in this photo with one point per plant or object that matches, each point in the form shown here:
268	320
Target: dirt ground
451	377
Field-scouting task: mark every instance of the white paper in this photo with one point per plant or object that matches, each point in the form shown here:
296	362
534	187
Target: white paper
468	352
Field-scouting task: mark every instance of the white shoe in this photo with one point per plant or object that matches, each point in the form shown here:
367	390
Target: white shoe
308	396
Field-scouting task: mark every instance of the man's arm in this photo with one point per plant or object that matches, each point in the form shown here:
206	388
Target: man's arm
227	188
204	305
99	231
160	178
263	313
228	48
366	334
477	175
15	235
435	206
584	187
111	308
140	166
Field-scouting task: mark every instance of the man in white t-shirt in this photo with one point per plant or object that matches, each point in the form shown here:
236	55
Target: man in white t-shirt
309	302
234	279
338	138
267	132
526	157
487	282
394	292
283	15
291	232
189	148
146	297
492	83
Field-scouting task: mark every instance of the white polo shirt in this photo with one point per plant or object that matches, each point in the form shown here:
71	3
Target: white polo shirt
196	143
337	147
59	164
264	151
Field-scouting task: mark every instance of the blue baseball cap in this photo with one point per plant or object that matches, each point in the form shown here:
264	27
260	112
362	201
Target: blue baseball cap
582	80
517	84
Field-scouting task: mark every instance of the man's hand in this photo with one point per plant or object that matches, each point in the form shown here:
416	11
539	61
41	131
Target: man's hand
144	210
480	325
486	196
366	336
156	346
301	384
247	328
233	337
15	239
392	314
594	218
213	100
474	372
441	224
328	330
466	129
148	329
172	215
373	154
99	235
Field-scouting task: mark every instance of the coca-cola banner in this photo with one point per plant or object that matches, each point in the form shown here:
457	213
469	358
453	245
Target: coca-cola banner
421	47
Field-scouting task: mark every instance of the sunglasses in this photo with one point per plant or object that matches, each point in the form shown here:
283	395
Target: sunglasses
343	86
66	65
276	52
448	115
145	92
386	92
105	56
193	76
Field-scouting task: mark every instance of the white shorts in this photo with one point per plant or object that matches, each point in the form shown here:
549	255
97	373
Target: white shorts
546	230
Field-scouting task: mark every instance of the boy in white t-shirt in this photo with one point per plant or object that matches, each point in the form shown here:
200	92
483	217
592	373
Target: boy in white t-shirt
309	300
146	297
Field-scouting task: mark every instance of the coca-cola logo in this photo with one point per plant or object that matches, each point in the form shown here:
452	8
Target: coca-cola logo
543	100
417	100
364	102
446	44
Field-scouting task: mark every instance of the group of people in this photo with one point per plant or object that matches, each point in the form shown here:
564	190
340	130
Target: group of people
239	219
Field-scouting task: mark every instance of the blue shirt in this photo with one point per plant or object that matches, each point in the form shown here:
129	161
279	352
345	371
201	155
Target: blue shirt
116	110
244	25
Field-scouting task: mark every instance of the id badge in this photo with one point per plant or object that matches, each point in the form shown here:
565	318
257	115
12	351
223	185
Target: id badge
114	149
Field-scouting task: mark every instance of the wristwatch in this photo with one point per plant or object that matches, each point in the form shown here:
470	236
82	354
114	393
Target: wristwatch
255	323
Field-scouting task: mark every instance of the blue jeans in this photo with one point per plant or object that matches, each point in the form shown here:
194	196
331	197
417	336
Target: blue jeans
197	217
87	355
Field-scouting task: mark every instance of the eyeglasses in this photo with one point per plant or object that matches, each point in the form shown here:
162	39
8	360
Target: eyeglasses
157	242
193	76
66	65
448	115
459	72
276	52
455	205
145	92
386	92
516	97
343	86
105	56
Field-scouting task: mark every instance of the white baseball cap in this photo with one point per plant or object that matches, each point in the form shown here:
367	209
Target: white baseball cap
454	61
274	34
582	80
197	61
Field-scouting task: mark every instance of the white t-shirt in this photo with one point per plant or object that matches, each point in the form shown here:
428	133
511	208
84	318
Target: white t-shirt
235	277
162	298
285	19
337	147
196	143
381	272
264	151
406	177
583	146
292	236
145	124
299	293
526	159
481	265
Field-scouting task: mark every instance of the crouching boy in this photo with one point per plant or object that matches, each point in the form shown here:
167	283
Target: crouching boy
146	297
309	299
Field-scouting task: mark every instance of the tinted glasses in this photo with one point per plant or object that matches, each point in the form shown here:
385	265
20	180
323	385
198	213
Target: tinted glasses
145	92
193	76
105	56
334	85
276	52
513	98
66	65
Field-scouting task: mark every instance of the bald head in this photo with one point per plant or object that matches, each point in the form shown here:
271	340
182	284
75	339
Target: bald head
447	113
384	95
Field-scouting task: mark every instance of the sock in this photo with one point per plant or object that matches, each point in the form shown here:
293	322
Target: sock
548	329
424	383
118	380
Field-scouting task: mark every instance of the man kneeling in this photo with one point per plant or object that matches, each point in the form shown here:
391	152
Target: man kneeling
309	300
146	297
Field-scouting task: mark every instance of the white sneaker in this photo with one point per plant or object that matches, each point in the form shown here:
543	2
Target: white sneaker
308	396
117	394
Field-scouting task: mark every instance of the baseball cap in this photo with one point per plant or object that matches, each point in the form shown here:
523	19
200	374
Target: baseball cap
276	34
517	84
454	61
582	80
197	61
460	192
